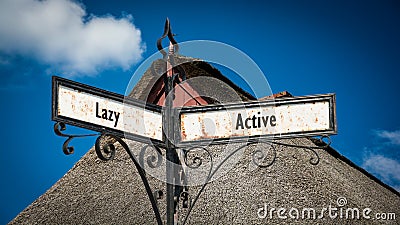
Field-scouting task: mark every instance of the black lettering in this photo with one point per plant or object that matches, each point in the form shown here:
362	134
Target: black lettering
104	116
272	121
265	120
107	114
110	116
246	124
116	118
97	110
239	122
254	121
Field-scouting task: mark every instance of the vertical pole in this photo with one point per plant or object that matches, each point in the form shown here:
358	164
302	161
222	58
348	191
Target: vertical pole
171	158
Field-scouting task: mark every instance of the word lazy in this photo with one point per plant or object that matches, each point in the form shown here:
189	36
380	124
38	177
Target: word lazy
107	114
255	121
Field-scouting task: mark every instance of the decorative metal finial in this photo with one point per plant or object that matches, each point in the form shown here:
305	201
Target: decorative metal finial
167	32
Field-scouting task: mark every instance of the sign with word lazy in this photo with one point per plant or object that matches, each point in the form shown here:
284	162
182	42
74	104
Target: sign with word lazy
95	109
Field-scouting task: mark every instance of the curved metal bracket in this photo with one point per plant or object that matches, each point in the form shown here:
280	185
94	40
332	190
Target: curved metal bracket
197	161
313	160
58	130
106	151
257	156
111	152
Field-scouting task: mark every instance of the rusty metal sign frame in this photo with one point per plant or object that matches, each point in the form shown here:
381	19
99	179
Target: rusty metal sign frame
59	81
330	98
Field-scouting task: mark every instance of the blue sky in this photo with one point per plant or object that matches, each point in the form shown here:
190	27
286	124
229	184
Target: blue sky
308	47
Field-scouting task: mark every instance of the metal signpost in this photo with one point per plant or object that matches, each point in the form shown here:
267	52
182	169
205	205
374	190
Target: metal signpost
180	129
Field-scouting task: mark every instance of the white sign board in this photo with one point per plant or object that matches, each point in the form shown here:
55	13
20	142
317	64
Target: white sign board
96	109
289	117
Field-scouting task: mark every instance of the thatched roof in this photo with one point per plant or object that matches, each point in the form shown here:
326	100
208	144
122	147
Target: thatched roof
111	192
194	68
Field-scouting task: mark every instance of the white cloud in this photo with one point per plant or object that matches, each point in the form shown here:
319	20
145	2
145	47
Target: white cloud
392	136
60	34
386	168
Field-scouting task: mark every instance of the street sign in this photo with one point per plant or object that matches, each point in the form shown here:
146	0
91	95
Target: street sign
278	118
99	110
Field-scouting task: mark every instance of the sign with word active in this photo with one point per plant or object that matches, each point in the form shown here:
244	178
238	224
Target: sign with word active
99	110
272	119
